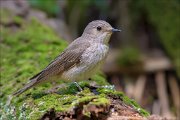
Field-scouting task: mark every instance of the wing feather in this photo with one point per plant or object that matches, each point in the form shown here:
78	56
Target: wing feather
70	57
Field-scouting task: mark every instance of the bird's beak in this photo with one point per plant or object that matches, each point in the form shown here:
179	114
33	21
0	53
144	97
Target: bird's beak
115	30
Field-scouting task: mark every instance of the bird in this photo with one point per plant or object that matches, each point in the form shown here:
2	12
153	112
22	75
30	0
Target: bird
80	60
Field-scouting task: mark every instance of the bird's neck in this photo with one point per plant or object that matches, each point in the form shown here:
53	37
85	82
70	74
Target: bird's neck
103	39
86	35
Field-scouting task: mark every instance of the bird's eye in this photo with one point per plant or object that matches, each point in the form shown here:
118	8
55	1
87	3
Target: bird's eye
98	28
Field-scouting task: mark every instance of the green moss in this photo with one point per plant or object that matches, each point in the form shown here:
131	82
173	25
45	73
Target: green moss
24	52
7	112
70	88
125	99
100	101
34	108
56	101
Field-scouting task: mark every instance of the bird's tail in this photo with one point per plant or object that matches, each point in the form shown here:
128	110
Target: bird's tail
29	85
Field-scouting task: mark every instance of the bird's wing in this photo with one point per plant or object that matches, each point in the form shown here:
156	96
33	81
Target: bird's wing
67	59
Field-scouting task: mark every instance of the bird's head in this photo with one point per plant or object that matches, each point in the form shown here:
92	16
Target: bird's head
100	30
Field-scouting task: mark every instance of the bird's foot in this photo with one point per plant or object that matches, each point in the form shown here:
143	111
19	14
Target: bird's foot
78	86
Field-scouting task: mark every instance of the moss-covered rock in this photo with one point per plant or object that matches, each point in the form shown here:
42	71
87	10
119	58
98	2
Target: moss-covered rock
64	103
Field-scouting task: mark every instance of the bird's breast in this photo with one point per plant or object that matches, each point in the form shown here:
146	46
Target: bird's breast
94	54
91	60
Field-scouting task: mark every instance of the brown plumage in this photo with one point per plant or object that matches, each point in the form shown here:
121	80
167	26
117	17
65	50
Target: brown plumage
81	59
67	59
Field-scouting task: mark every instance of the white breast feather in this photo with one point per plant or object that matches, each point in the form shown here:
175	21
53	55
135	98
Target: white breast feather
91	61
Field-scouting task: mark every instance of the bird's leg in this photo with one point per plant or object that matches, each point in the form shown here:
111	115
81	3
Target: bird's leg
77	85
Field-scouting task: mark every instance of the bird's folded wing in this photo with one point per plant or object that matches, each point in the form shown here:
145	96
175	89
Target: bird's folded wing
70	57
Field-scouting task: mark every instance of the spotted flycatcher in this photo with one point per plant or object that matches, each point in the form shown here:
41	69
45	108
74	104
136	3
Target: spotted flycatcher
81	59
